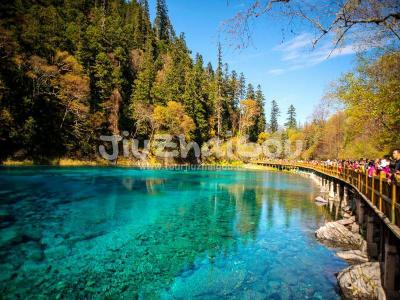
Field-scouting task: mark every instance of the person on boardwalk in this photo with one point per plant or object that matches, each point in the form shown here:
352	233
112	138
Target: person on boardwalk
395	166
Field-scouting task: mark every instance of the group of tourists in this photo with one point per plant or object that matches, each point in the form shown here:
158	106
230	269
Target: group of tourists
388	166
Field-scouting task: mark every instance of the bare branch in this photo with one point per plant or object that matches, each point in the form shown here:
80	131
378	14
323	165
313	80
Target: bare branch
381	17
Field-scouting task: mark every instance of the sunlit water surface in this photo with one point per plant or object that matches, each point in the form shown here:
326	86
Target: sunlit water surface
93	233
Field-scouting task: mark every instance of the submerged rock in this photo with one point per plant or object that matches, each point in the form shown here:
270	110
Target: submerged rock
353	256
337	233
319	199
206	281
7	271
56	253
6	218
361	281
9	235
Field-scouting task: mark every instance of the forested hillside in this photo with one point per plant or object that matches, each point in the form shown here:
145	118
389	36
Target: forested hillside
73	70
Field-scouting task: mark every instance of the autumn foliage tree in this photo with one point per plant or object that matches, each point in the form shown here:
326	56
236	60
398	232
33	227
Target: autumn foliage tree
250	110
172	119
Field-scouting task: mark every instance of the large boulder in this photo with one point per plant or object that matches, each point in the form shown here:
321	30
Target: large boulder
361	281
337	233
353	256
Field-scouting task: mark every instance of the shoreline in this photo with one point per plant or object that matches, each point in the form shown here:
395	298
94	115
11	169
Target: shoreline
362	278
239	165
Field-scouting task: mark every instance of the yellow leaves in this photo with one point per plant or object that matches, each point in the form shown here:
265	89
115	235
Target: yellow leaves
188	124
64	80
67	62
30	74
372	106
39	66
249	112
262	137
295	135
172	119
18	61
96	119
73	91
6	117
159	114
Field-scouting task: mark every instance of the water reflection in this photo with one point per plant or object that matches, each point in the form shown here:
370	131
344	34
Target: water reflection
126	233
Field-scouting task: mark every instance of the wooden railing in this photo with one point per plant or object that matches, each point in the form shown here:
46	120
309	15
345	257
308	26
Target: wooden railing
383	194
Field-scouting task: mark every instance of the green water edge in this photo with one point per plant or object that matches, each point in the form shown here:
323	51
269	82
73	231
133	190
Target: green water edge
127	233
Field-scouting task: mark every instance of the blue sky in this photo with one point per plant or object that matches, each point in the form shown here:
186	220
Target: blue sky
286	67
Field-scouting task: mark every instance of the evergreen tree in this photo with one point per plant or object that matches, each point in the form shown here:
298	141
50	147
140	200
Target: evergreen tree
142	26
227	101
103	77
274	117
162	23
195	99
145	79
218	92
90	68
144	4
260	122
261	101
242	87
291	118
210	70
250	94
234	88
171	79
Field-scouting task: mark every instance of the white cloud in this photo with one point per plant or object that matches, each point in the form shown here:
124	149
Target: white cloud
296	43
298	53
276	71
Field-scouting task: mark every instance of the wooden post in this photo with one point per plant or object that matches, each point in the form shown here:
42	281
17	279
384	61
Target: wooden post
359	181
390	267
380	191
351	176
361	212
332	189
338	197
345	196
372	246
341	192
394	200
373	189
382	233
366	183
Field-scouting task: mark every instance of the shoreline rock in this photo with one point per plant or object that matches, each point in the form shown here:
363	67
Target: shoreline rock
362	281
353	256
336	233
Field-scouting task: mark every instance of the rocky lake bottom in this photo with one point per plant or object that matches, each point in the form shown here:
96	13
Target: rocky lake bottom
115	233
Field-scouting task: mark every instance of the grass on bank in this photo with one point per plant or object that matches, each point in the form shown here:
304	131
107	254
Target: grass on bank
123	162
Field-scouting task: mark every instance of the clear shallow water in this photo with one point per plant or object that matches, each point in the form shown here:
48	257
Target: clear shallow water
100	233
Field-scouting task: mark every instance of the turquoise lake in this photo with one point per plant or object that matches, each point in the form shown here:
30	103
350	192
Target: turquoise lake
115	233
